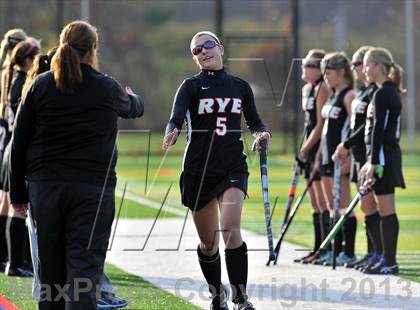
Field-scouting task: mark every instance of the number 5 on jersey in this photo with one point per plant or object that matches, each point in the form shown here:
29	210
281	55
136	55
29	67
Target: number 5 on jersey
221	127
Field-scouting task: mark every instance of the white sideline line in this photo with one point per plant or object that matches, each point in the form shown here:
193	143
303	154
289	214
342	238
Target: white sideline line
149	203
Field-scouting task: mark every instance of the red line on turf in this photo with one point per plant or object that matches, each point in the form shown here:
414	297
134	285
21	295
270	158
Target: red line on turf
6	304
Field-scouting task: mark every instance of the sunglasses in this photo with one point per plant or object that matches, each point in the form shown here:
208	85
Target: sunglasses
356	63
209	44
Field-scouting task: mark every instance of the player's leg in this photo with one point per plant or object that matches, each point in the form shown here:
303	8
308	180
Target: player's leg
350	225
236	253
4	211
373	234
389	228
206	221
17	236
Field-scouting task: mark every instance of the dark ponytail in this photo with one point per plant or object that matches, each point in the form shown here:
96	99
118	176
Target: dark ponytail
76	40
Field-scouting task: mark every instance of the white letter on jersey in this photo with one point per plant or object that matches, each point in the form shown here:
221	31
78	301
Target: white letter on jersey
335	112
236	106
222	104
205	106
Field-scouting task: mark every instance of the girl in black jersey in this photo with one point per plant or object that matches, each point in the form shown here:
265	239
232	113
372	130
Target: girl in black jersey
314	94
355	143
382	137
215	172
18	65
336	113
10	40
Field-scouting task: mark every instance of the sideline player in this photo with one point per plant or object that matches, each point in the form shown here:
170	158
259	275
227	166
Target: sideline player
382	137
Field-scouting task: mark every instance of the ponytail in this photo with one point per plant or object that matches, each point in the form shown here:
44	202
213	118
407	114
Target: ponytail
66	68
395	75
6	85
77	39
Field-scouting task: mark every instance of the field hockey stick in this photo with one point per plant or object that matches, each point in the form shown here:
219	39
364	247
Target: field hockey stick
264	185
292	192
365	189
292	215
337	190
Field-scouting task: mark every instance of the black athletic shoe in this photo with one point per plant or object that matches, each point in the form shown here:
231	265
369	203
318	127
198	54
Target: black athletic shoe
242	304
359	262
375	268
219	302
17	272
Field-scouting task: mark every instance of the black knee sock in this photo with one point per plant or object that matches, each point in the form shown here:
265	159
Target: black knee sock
338	240
325	223
237	268
369	241
316	217
350	228
3	243
373	226
389	232
211	268
16	236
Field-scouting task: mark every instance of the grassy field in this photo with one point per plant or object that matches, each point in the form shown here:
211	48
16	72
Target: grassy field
150	177
139	293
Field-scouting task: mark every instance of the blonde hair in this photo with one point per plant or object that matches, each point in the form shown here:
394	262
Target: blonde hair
393	71
361	52
10	40
337	61
315	53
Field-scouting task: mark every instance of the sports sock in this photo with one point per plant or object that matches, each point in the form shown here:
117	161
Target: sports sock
389	232
237	268
317	230
211	268
369	241
373	223
16	235
325	223
350	228
3	243
338	240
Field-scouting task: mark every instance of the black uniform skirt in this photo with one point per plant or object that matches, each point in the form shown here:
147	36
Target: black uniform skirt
391	179
197	192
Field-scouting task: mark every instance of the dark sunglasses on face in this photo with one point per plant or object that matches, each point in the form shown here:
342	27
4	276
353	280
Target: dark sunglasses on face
209	44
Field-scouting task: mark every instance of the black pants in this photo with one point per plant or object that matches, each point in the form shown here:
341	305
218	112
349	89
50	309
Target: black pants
71	256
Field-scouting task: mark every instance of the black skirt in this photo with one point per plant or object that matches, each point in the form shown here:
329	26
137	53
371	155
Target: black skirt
197	192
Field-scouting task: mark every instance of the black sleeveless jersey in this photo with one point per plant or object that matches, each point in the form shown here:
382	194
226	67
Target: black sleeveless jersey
211	103
309	107
357	123
382	132
336	125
